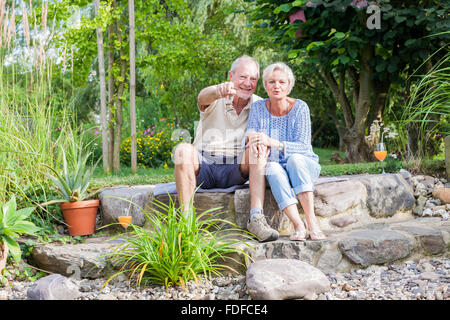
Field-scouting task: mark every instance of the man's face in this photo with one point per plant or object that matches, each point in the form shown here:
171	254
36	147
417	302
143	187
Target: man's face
245	79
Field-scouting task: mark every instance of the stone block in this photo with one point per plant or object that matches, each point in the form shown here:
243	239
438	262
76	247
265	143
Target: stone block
387	194
366	247
333	198
85	260
431	241
279	279
118	201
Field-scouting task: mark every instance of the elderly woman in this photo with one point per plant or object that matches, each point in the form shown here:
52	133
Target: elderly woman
282	125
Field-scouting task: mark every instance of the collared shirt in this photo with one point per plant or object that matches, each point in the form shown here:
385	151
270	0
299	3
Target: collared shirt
220	129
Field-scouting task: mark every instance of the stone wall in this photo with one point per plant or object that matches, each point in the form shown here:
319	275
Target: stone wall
340	202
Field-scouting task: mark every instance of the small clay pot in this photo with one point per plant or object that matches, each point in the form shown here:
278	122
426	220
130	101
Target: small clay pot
80	216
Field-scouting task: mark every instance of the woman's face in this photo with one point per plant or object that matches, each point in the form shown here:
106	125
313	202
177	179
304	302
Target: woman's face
277	85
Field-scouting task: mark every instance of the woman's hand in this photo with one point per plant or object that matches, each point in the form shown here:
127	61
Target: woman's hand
260	143
255	145
263	139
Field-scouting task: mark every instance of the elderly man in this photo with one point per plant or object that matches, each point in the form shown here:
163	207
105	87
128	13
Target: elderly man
215	159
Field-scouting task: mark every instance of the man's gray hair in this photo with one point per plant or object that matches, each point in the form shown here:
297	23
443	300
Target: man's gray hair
283	68
244	58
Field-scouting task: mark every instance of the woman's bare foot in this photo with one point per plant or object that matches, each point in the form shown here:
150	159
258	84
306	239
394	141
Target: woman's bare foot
317	235
298	235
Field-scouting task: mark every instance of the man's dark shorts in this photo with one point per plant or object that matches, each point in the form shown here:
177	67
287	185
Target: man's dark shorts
219	171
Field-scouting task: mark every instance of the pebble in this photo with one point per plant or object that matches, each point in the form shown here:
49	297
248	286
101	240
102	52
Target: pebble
426	205
426	279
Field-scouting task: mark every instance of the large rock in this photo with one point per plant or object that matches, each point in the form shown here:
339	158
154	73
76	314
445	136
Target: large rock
442	194
53	287
333	198
366	247
280	279
286	249
388	194
119	201
84	260
431	241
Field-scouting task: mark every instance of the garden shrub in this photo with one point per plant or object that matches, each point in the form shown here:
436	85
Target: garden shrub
154	146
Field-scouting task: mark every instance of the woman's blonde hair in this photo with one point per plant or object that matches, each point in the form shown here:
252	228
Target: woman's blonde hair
283	68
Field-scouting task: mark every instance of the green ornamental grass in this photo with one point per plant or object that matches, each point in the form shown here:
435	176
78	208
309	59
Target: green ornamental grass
177	248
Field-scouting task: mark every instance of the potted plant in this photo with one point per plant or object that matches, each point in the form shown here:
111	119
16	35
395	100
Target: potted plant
13	223
72	184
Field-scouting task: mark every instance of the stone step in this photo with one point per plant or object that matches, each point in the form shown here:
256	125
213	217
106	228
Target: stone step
373	244
341	203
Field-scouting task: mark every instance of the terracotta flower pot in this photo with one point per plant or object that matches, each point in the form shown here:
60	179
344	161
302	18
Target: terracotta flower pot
3	255
80	216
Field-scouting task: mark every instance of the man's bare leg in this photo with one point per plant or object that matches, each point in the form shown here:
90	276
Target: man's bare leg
186	169
255	167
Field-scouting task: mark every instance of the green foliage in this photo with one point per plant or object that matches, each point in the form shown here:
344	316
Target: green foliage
14	223
429	106
31	131
154	146
336	33
23	274
72	184
177	248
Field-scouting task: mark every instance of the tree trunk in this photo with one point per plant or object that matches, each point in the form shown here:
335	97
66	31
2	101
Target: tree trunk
358	149
353	134
340	96
381	89
111	90
132	88
103	114
118	110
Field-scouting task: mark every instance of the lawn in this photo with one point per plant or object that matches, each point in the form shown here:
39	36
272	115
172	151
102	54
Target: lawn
126	177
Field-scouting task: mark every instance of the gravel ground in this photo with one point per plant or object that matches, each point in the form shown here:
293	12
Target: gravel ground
427	279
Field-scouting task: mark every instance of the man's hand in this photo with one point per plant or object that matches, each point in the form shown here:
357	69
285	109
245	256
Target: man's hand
208	95
226	90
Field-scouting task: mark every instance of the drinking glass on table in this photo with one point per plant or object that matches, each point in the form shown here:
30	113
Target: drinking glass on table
380	153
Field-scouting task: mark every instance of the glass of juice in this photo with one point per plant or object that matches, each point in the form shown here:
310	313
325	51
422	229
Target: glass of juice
380	153
125	221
